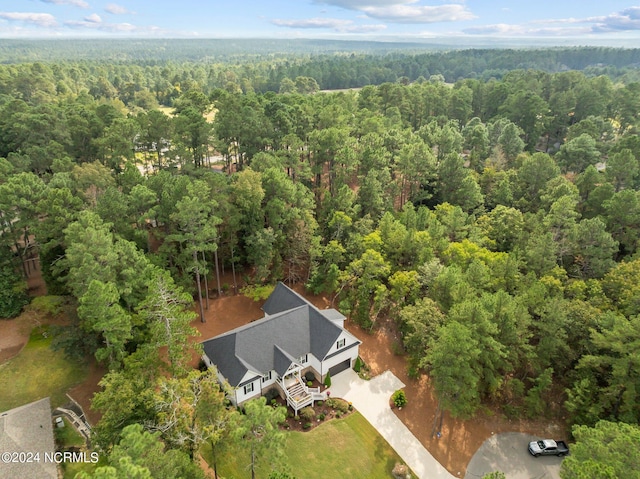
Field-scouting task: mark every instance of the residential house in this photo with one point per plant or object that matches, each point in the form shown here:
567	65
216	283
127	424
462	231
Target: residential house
294	337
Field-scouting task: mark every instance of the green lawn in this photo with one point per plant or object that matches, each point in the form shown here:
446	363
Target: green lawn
348	447
67	436
38	372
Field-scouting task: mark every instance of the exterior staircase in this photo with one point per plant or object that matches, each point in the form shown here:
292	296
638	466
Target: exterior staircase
299	395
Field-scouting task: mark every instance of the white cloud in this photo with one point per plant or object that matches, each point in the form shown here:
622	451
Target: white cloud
39	19
313	23
116	9
359	4
93	18
503	29
625	20
336	24
91	23
419	14
406	11
75	3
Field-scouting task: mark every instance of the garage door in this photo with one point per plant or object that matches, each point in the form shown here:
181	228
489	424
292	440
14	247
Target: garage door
338	368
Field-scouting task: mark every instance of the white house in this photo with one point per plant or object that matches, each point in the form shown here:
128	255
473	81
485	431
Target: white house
294	337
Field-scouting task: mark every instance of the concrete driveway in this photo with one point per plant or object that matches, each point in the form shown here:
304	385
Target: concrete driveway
371	399
507	452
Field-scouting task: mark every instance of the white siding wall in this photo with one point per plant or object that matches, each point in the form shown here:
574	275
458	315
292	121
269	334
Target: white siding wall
349	339
242	397
268	384
314	363
351	353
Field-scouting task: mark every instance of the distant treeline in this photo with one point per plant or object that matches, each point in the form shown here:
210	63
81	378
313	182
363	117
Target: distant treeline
262	65
170	49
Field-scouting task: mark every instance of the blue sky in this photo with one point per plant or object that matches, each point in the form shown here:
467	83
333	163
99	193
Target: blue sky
345	19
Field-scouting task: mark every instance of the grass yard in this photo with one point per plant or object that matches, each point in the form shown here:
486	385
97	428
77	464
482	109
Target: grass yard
38	372
70	469
348	447
67	436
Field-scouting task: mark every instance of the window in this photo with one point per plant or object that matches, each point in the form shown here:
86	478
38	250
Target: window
248	388
266	377
341	343
303	359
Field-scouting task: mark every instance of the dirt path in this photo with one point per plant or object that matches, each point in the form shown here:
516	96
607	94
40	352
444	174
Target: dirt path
83	392
14	333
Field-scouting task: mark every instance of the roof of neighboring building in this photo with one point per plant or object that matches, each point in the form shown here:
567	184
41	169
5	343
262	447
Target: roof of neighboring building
276	341
28	429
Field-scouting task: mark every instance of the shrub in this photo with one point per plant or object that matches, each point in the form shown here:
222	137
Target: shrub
296	417
321	416
280	475
309	383
338	414
413	372
309	376
306	425
358	365
319	403
338	404
272	394
400	471
48	304
327	380
397	348
274	402
399	398
258	293
307	413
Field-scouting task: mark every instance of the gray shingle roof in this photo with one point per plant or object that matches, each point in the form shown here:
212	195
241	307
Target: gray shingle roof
283	299
274	342
28	429
281	360
333	314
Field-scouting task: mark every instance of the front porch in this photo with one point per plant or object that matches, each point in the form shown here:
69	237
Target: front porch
297	394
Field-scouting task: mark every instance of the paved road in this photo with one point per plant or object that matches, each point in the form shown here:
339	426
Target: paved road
371	399
507	452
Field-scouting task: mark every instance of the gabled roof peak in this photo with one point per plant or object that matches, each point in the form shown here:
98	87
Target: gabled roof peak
277	340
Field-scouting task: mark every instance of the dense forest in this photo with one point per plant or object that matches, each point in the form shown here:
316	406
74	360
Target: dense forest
495	218
260	65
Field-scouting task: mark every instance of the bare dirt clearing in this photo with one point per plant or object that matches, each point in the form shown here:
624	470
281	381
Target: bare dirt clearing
14	333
